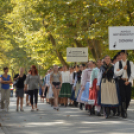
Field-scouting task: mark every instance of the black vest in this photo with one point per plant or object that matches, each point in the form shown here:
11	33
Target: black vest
128	68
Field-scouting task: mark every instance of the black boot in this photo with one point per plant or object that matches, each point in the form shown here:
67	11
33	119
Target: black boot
107	112
81	106
93	110
114	111
75	103
123	110
118	111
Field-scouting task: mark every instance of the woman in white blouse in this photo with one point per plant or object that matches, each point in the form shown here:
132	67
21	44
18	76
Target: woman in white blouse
66	87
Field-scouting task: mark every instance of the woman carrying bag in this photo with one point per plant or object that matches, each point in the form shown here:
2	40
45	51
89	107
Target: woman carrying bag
108	93
20	79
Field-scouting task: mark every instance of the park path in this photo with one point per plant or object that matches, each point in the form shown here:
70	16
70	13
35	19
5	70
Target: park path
65	121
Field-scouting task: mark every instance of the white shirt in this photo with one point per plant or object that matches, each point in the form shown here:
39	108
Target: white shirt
65	77
85	76
123	72
71	78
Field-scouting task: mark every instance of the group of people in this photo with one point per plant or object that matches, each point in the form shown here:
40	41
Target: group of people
23	84
101	87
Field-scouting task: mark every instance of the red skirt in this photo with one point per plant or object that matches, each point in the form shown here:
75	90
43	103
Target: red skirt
93	92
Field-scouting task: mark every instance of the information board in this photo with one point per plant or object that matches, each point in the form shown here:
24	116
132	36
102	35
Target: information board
121	38
78	54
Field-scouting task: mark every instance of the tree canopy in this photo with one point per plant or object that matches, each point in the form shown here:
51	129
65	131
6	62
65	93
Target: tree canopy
38	32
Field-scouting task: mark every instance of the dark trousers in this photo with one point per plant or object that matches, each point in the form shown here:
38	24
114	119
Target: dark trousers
35	94
125	92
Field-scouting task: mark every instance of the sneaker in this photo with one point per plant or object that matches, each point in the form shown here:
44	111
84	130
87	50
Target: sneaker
17	110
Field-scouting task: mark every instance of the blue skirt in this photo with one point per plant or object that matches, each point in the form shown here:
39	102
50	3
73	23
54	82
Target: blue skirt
72	93
85	93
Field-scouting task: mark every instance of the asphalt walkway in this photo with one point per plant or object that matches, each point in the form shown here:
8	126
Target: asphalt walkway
68	120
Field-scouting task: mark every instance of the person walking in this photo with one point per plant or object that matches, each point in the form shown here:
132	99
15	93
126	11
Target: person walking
86	83
124	69
65	91
93	92
20	78
5	80
108	92
34	82
56	81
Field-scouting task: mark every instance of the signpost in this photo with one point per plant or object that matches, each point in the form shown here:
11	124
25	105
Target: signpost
121	38
77	54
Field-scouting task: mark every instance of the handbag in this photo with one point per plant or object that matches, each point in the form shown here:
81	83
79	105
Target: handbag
15	83
91	102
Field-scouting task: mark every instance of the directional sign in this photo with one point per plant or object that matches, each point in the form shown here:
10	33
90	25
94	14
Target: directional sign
78	54
121	38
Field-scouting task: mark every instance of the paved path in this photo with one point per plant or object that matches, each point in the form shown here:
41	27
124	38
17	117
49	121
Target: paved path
66	121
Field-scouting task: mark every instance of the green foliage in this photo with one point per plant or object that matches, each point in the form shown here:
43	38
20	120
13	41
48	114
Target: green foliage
38	32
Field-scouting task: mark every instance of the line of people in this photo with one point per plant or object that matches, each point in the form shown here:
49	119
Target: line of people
101	87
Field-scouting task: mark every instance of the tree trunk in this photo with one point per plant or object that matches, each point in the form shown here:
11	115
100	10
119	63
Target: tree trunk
78	44
54	44
57	52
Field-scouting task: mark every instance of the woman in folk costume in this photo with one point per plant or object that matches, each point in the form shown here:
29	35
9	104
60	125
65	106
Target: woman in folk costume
93	92
84	67
86	82
108	94
77	83
66	87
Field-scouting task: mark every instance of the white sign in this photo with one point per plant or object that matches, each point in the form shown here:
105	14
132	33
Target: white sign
121	38
78	54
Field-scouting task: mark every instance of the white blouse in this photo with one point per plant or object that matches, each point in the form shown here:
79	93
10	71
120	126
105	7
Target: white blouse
65	76
123	72
71	78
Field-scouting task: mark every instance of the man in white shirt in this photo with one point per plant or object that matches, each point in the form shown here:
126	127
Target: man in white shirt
124	70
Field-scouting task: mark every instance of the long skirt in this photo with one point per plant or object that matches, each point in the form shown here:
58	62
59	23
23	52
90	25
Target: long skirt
79	96
72	93
65	90
85	93
93	92
78	85
108	94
